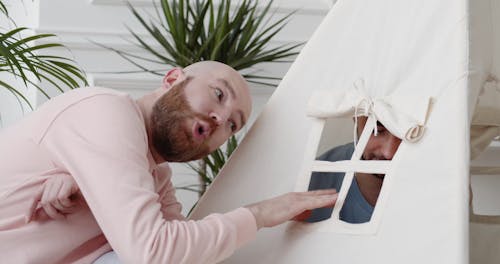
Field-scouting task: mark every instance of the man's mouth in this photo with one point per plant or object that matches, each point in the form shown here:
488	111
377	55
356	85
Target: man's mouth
200	131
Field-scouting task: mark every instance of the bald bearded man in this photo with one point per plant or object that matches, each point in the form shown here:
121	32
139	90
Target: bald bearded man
104	157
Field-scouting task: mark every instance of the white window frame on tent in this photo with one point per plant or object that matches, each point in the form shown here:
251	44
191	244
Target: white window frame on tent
355	164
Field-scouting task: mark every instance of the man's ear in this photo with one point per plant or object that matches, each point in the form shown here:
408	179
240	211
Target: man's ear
173	77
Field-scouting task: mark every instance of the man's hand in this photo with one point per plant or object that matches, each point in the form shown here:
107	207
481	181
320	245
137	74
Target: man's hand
280	209
58	197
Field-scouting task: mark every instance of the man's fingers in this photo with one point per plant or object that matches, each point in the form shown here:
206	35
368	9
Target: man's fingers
52	212
50	191
320	192
64	194
33	207
57	197
290	206
314	202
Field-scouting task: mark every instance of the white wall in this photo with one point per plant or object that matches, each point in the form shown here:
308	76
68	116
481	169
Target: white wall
103	21
24	14
485	186
78	21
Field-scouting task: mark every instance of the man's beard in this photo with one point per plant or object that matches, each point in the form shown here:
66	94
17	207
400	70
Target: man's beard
171	134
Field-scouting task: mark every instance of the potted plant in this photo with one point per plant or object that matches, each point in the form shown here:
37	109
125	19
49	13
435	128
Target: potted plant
22	58
188	31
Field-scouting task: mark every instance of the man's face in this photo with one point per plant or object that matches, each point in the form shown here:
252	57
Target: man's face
380	147
171	133
225	99
196	116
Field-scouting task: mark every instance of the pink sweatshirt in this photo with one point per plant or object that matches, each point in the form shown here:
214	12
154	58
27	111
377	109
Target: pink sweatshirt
98	137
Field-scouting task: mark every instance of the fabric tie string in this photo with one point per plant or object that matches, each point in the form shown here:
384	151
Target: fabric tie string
366	105
404	117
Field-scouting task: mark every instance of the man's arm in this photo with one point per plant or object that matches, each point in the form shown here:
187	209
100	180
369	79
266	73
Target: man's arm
102	143
170	207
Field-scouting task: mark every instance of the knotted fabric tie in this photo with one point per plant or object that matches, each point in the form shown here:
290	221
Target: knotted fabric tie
403	116
366	106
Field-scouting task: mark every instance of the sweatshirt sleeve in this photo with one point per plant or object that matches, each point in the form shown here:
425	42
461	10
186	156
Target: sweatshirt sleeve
101	141
170	207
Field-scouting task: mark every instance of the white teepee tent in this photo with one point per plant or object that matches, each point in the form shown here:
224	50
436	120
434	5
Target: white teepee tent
418	66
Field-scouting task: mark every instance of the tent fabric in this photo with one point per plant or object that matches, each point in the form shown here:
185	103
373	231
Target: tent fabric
334	224
404	119
407	53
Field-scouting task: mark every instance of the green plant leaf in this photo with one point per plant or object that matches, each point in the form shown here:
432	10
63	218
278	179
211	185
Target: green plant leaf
22	58
237	33
15	92
3	9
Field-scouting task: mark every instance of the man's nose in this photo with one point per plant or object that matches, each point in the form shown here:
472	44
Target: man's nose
219	117
388	150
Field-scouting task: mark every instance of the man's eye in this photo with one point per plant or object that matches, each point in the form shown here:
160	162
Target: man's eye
219	94
381	129
232	125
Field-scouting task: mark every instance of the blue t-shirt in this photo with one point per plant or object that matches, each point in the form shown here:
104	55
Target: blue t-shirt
356	209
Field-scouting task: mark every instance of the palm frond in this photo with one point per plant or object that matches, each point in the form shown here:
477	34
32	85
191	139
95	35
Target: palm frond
188	31
21	58
3	9
237	33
